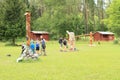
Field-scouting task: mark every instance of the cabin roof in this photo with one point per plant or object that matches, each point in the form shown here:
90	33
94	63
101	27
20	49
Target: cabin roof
105	33
39	32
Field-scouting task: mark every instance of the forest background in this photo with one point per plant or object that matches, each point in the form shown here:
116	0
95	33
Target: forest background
57	16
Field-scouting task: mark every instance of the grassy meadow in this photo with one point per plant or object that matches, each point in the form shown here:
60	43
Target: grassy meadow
101	62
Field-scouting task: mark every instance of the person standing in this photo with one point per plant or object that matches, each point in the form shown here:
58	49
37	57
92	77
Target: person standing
23	48
61	43
43	45
37	47
65	44
32	46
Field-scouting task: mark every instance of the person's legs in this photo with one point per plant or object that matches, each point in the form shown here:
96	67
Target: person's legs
37	50
65	48
33	51
61	47
22	51
44	50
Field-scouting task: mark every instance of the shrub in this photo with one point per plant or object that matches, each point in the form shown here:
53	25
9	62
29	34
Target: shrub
116	41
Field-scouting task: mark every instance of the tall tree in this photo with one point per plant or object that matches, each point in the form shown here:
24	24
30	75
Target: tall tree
2	29
27	3
59	15
86	14
101	14
92	15
113	20
13	19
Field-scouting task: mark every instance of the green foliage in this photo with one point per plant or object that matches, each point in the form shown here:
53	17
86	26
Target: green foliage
59	23
13	19
113	20
2	29
54	16
56	20
116	41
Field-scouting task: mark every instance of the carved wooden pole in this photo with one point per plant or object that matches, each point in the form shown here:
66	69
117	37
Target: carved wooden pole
91	37
28	20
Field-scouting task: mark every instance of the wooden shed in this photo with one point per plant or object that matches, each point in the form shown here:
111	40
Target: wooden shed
103	36
37	34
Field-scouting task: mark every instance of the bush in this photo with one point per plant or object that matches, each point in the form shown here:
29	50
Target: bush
116	41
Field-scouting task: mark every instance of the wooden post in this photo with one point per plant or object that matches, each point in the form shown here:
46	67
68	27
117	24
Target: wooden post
71	40
91	36
28	26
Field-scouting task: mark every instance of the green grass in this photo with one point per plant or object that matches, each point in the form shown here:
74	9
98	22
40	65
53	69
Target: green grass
101	62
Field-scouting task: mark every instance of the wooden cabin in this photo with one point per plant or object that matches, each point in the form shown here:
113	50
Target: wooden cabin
37	34
103	36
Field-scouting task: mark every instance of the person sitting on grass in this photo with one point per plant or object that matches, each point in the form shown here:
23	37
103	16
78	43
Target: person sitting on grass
23	47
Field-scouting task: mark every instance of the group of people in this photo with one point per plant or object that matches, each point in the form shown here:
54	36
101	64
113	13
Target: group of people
32	49
71	42
37	46
63	44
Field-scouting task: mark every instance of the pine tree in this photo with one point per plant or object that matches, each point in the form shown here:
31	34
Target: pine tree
13	19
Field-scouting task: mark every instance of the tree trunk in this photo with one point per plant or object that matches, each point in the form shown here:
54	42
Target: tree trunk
86	16
13	41
102	14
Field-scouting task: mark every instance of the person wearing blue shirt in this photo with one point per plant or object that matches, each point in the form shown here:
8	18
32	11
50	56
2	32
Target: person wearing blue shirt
32	46
37	47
